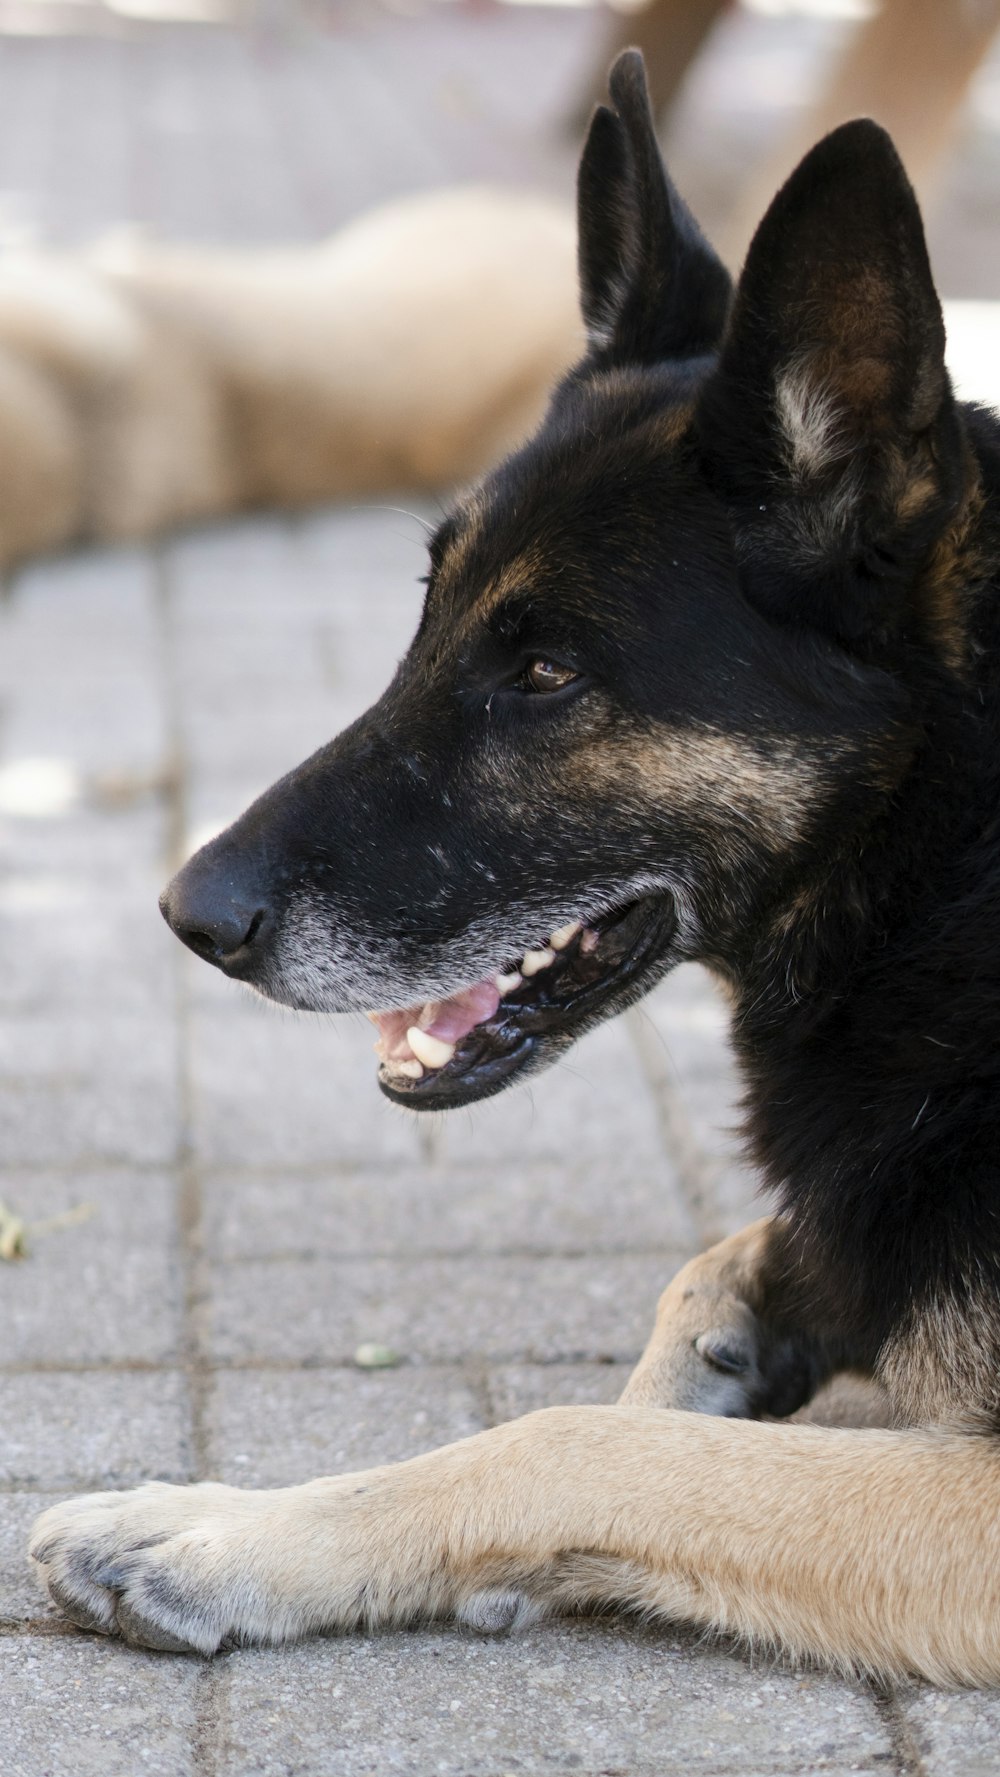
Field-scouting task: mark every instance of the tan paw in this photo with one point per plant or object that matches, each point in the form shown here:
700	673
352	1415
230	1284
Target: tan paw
181	1569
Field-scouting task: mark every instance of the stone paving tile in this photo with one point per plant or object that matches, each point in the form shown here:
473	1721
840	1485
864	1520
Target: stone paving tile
93	843
689	1021
94	1429
593	1104
438	1310
272	1088
513	1389
256	1099
305	676
78	1087
251	661
413	1207
97	1120
587	1698
237	757
79	1706
341	558
103	1290
275	1428
65	945
21	1596
956	1734
94	700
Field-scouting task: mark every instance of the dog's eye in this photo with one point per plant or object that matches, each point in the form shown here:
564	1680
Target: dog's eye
546	675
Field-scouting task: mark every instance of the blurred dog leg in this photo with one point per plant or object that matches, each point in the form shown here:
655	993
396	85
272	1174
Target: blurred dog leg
909	67
670	34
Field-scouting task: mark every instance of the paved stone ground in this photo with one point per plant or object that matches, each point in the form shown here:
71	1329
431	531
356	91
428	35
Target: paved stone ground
222	1204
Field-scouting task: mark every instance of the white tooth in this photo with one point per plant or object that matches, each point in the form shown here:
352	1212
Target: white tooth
507	983
412	1069
589	941
432	1051
564	935
534	960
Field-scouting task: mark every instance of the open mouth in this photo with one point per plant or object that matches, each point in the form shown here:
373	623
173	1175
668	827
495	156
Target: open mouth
449	1052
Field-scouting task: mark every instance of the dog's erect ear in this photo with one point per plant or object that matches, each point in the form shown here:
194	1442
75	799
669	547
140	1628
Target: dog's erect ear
829	423
650	286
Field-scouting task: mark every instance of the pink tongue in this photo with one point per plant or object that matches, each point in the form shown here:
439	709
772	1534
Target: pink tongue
449	1019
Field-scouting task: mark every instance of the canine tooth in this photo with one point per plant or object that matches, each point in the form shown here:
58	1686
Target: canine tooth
534	960
589	941
507	983
565	935
432	1051
412	1069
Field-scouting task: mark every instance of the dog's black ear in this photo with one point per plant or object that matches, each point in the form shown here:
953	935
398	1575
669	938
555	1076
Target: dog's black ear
829	424
650	286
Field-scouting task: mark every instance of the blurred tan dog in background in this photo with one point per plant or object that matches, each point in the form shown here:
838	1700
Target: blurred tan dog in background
144	386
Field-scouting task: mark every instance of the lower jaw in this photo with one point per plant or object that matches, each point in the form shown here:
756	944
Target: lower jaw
522	1040
443	1091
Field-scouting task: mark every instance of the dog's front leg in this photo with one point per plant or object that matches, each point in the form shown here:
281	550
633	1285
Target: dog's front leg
723	1341
876	1547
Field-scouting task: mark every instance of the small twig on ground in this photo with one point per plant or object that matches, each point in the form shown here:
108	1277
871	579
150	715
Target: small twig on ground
15	1232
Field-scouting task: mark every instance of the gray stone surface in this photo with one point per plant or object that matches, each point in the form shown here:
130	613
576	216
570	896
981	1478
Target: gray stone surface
73	1706
254	1091
78	1088
595	1102
21	1597
258	1208
558	1698
955	1735
416	1205
94	1429
434	1310
272	1428
103	1288
521	1388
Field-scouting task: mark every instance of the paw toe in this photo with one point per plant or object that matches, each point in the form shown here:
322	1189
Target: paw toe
92	1612
140	1630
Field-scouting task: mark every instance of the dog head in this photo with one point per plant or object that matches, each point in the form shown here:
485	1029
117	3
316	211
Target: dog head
664	661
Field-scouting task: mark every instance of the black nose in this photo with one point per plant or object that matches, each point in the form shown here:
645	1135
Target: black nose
215	913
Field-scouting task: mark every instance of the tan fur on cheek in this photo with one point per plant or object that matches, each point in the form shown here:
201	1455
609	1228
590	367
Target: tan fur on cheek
733	788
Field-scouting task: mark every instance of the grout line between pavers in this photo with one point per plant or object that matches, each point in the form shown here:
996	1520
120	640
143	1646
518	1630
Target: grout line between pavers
205	1733
672	1251
114	1166
189	1204
236	1366
211	1700
906	1753
51	1628
696	1172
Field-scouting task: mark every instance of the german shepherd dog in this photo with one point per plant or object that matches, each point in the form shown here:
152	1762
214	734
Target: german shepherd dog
706	670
